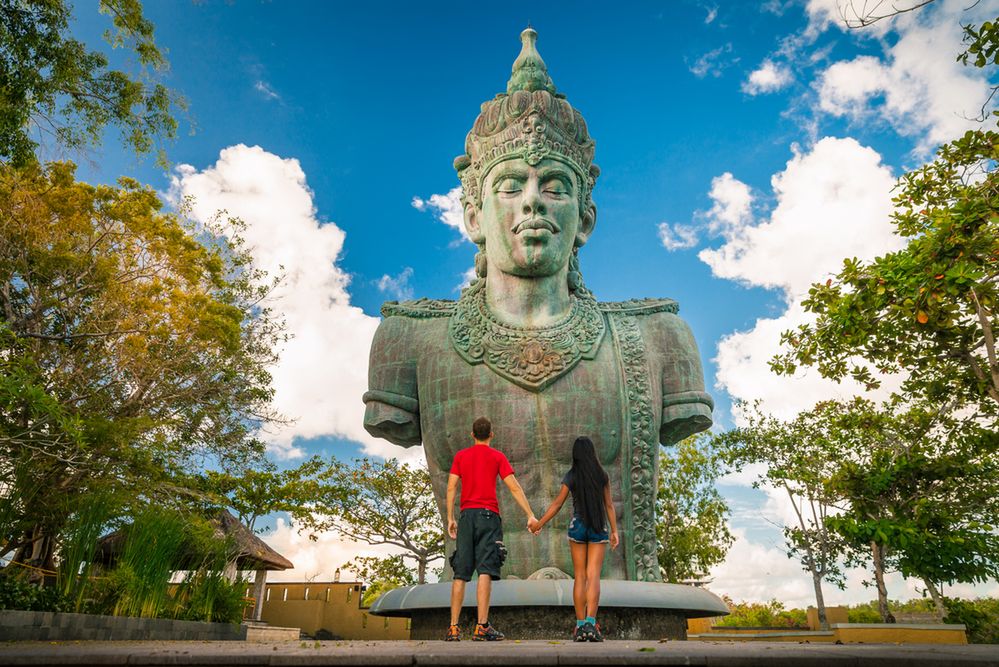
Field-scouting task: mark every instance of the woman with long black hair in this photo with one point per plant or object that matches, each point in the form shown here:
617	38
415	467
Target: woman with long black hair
589	533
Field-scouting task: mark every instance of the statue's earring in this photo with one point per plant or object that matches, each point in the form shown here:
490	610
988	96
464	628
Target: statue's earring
574	277
480	264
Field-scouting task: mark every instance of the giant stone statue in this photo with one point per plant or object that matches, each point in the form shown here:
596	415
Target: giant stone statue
529	347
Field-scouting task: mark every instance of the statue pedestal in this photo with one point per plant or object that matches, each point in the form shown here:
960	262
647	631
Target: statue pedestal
542	609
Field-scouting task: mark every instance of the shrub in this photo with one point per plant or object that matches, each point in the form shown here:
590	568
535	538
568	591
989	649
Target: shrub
980	616
763	615
206	595
17	593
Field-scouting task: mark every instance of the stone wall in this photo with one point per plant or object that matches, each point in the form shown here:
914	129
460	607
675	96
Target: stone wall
48	626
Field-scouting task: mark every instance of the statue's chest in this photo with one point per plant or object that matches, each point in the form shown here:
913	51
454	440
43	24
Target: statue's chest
531	427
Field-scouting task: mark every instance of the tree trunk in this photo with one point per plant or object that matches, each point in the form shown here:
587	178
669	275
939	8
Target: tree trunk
37	551
820	601
878	556
421	571
937	599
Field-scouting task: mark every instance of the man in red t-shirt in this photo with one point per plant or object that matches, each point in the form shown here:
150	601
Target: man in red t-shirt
479	530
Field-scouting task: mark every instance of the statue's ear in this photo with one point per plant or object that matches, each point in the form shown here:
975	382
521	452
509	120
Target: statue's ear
587	222
472	224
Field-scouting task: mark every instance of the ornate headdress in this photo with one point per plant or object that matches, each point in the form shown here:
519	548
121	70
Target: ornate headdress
530	121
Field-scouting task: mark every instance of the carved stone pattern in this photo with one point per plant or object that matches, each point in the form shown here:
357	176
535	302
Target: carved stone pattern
639	447
548	573
641	306
420	308
530	358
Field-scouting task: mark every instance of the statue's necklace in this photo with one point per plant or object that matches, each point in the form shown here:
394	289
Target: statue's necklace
530	357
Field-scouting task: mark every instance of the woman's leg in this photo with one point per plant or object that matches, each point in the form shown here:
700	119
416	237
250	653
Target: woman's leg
578	552
594	562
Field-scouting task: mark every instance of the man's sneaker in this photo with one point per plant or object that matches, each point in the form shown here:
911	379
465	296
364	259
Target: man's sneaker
453	634
487	633
595	635
577	634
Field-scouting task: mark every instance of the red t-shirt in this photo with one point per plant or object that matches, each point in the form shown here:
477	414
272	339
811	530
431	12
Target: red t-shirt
478	467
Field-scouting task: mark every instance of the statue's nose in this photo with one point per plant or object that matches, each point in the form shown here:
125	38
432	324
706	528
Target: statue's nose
533	203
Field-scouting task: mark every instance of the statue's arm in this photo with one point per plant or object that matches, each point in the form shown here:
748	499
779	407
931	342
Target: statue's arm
392	409
686	406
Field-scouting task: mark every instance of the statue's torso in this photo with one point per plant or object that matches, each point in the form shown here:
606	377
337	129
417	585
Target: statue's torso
637	384
534	430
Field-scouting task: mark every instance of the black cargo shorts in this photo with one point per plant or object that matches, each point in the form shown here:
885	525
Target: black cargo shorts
479	545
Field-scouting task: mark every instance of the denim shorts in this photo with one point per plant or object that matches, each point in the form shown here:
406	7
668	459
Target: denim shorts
581	533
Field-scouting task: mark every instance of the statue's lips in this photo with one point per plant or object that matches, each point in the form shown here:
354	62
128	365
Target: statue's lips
537	223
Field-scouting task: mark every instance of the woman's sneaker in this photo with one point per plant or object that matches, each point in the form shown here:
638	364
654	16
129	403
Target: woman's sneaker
577	634
487	633
586	632
453	634
595	635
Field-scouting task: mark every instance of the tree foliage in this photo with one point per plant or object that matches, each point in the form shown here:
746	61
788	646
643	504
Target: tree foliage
52	87
692	527
259	488
918	492
928	310
131	345
799	456
377	503
381	574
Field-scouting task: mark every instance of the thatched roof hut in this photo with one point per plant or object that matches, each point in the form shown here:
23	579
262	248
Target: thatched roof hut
248	551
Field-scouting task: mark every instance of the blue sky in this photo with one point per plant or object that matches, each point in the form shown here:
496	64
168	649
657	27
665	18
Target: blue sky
745	148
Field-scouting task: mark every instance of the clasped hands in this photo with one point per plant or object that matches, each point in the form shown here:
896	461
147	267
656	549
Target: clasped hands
533	526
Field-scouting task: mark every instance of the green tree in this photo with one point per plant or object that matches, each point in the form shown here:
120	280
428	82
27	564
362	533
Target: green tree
131	347
381	575
378	503
53	88
918	493
259	489
692	527
798	457
928	310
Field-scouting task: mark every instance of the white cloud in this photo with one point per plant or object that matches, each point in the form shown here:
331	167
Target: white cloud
322	372
712	15
677	237
917	87
769	77
466	279
833	202
850	14
732	205
713	62
397	286
447	208
264	89
316	559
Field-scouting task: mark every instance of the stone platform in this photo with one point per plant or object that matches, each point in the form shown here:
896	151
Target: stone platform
542	609
497	654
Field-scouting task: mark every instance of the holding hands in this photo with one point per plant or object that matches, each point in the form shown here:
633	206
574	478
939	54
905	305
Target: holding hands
533	525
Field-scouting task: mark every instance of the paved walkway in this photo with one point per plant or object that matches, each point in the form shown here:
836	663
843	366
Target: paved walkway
492	654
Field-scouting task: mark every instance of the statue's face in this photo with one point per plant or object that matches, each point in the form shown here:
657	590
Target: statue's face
529	218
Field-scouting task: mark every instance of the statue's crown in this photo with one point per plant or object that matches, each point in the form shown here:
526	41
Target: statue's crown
531	121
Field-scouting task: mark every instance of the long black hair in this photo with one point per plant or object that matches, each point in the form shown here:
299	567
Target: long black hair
588	479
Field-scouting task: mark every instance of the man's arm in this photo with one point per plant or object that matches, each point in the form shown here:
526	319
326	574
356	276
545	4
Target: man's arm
452	489
518	494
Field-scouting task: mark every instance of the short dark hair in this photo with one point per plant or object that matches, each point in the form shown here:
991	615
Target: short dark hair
482	428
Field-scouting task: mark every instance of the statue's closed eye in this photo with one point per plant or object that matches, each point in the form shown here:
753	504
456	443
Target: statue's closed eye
509	185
